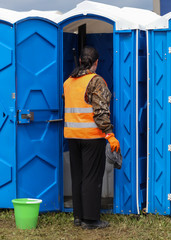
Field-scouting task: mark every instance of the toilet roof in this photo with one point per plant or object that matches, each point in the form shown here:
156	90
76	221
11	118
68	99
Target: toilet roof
125	18
161	23
14	16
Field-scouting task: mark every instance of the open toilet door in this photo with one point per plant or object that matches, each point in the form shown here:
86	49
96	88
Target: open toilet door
39	123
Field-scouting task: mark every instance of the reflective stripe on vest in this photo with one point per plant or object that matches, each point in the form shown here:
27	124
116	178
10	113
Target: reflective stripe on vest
80	125
78	110
79	122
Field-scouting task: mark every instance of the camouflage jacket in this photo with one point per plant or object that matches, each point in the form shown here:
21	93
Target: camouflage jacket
99	96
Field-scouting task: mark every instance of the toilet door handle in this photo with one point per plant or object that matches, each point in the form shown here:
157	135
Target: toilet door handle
55	120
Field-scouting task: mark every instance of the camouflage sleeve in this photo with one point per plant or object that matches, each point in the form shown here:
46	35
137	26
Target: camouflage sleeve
99	96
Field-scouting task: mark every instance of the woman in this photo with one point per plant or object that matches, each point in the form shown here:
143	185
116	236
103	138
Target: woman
87	126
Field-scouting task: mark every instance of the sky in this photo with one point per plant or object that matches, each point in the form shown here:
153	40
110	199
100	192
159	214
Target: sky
66	5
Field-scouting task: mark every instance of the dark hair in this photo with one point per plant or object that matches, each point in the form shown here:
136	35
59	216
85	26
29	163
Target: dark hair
88	57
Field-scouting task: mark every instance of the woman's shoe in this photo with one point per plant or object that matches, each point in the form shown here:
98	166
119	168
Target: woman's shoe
88	224
77	222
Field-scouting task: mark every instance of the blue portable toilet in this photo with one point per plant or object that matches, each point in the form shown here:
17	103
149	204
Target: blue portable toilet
159	99
30	100
120	38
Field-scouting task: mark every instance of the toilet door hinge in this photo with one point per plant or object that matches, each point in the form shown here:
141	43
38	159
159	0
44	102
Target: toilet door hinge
13	95
169	49
169	196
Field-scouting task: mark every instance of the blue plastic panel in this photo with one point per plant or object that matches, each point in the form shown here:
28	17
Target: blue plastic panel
105	63
38	91
7	116
159	122
70	42
124	110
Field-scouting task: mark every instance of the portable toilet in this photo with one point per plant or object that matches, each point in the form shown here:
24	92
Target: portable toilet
159	129
120	38
30	100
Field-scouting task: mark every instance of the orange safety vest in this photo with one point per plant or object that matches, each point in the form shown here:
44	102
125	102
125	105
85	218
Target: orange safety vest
79	122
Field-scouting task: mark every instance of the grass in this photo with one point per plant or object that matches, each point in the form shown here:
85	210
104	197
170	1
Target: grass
59	226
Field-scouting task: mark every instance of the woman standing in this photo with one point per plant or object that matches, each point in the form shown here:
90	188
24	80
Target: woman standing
87	126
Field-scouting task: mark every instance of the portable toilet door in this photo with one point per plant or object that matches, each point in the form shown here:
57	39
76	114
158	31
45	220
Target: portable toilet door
7	115
39	113
122	60
159	129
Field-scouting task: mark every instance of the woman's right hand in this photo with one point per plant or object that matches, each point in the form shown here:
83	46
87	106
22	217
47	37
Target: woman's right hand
114	143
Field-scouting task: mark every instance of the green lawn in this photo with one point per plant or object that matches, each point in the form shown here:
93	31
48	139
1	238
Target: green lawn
59	226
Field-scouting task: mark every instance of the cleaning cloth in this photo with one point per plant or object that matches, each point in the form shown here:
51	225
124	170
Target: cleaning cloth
114	157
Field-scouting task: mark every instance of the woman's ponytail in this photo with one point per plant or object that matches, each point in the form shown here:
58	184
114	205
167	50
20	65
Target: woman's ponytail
88	57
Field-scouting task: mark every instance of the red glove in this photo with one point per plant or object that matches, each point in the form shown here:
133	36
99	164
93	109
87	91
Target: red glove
114	143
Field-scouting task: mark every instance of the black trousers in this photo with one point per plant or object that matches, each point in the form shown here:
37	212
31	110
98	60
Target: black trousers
87	158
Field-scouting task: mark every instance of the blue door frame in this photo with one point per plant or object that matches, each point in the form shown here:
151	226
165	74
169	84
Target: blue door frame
124	68
7	115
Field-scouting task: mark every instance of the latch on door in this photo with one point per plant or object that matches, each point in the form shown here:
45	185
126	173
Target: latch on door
25	116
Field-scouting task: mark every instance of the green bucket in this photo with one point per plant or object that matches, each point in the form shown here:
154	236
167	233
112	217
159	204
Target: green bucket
26	212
